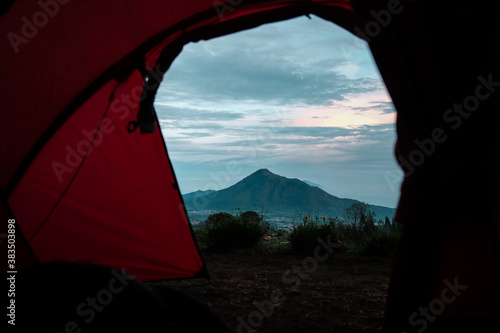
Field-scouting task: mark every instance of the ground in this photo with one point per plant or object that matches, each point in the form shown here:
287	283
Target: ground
283	292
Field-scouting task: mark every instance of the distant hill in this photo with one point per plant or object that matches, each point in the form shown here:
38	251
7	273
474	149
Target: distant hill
312	184
276	196
196	194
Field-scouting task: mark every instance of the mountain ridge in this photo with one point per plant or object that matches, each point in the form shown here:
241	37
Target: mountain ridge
277	196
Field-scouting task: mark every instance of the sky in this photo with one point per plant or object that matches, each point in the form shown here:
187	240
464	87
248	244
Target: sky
302	98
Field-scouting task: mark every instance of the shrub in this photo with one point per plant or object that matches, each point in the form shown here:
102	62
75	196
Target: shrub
226	232
303	237
201	236
381	242
218	218
250	216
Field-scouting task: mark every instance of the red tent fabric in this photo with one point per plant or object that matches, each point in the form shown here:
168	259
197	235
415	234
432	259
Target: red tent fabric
79	76
80	184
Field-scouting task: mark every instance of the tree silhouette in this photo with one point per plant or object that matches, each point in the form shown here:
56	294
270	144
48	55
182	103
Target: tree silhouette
360	215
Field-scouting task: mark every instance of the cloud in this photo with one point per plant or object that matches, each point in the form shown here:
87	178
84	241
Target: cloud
269	82
266	66
280	140
197	134
166	111
301	97
383	106
324	132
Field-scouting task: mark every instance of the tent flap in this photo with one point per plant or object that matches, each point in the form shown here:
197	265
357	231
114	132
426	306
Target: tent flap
85	169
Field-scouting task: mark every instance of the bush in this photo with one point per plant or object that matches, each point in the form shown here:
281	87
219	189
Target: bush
250	216
218	218
226	232
201	236
366	238
381	243
303	237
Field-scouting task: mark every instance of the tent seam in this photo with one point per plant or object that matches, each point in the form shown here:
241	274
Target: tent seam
79	167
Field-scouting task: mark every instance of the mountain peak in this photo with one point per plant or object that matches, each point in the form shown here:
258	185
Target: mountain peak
278	196
264	172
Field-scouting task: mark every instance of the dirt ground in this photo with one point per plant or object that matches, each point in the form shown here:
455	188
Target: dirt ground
289	293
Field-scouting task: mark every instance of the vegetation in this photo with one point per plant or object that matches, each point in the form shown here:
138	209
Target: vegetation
356	232
360	216
227	232
381	242
304	236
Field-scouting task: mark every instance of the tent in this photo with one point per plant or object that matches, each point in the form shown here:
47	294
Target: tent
86	175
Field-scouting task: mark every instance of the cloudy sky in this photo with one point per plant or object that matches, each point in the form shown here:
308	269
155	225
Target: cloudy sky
302	98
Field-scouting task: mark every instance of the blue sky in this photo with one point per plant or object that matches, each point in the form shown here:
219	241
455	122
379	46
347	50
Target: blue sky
302	98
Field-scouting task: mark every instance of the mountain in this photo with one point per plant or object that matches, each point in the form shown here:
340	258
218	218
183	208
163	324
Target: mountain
276	196
197	194
312	184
